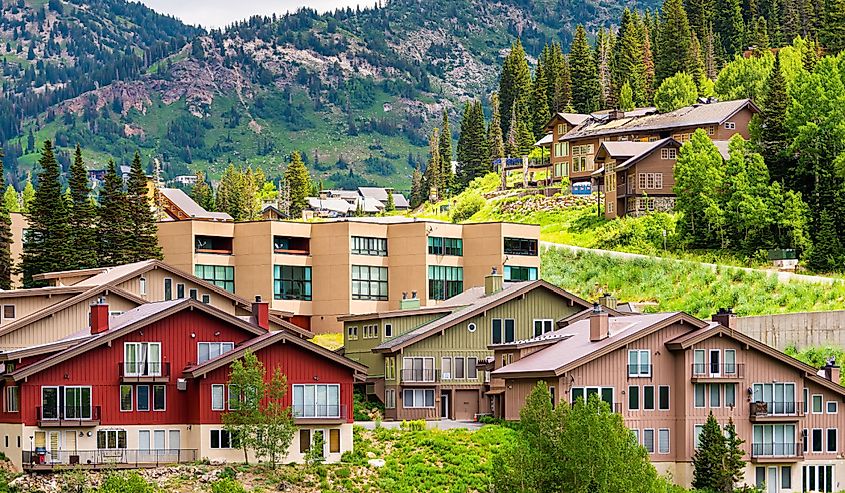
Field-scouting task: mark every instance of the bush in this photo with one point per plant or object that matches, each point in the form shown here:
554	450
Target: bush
126	483
364	409
638	234
415	425
467	205
227	485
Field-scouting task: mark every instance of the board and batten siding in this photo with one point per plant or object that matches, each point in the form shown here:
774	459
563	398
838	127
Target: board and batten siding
360	349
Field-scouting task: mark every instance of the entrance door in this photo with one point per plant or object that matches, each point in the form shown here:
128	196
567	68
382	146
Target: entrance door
772	480
70	442
715	362
466	404
444	405
55	446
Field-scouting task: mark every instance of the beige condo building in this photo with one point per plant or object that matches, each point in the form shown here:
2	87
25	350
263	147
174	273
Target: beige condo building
323	270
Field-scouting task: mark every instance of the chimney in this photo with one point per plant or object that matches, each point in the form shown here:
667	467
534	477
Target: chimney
607	300
598	324
99	316
725	317
261	312
493	283
832	371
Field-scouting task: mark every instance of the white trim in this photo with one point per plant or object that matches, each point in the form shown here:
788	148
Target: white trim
668	441
164	288
827	440
388	328
218	343
835	407
812	399
142	285
471	327
131	397
153	406
813	441
413	392
222	388
543	322
16	392
137	400
696	406
710	362
639	364
669	398
653	440
653	398
58	399
710	395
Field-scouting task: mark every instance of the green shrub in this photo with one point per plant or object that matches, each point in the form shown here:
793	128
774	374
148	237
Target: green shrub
365	409
415	425
126	483
227	485
467	205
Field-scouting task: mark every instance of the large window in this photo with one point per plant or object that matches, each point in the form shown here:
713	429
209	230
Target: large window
521	246
12	404
778	397
142	359
369	283
66	402
211	350
445	282
291	282
111	439
818	477
222	439
220	275
418	398
639	363
517	273
125	397
774	440
362	245
316	401
418	369
503	330
445	246
604	393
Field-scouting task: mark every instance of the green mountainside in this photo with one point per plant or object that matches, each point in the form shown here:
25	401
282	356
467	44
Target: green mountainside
356	91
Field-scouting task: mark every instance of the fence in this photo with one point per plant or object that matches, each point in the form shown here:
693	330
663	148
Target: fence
106	457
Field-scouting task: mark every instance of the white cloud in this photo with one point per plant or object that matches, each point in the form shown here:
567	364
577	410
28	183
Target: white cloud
219	13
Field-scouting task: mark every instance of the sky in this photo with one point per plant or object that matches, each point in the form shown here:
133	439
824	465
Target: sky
219	13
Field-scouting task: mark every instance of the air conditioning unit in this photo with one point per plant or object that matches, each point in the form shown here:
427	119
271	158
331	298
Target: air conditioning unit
181	384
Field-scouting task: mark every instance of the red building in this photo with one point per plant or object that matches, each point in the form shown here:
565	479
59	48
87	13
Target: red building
150	386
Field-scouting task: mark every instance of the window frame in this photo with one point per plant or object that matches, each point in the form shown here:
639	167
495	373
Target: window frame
12	396
660	432
358	280
163	388
813	403
544	322
413	392
660	389
299	391
222	389
639	364
288	286
131	397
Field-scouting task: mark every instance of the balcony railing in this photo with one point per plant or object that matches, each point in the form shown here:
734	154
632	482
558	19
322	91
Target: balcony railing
106	458
776	450
144	370
718	370
68	416
775	409
419	375
319	411
639	370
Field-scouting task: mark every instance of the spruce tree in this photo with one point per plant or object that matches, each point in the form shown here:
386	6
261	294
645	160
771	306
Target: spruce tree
540	101
585	80
433	180
113	231
604	68
11	199
82	217
774	135
759	37
734	465
674	40
6	263
564	85
695	64
628	58
47	242
299	182
418	195
473	152
445	146
832	32
648	65
390	206
141	216
729	26
514	86
202	192
709	456
700	15
495	138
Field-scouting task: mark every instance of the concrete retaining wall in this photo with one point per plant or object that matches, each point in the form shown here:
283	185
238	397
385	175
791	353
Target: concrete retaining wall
796	329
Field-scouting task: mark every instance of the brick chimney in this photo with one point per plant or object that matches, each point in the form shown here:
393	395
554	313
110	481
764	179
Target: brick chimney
261	312
99	317
832	371
493	283
726	317
598	324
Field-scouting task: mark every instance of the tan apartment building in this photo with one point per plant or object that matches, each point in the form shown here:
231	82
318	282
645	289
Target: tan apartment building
664	373
429	362
322	270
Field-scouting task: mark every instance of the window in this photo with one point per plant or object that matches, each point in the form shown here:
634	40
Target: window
221	439
211	350
445	282
832	445
648	397
206	299
663	441
125	397
291	283
650	181
730	361
316	401
459	368
696	433
180	291
304	441
369	283
633	398
805	439
390	398
418	369
774	440
159	397
648	441
352	332
668	153
818	478
730	395
222	276
604	393
218	397
168	289
390	368
334	441
446	368
786	477
472	371
193	293
639	363
362	245
418	398
142	394
142	286
542	326
388	330
779	397
291	245
730	125
12	404
111	439
142	359
521	246
516	273
832	407
370	331
817	403
818	446
498	336
663	398
453	247
699	391
715	395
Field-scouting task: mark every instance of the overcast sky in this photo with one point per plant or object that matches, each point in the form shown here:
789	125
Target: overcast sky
218	13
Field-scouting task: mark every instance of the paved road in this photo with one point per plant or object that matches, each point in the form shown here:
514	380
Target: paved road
782	276
443	424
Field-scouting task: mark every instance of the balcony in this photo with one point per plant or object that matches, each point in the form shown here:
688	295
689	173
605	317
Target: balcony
319	414
776	452
106	458
217	245
419	376
68	416
714	372
775	411
291	245
144	371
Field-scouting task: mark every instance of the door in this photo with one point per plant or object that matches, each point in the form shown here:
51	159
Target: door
55	445
444	405
715	362
772	480
466	404
70	442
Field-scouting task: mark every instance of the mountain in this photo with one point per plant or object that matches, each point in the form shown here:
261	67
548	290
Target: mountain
356	91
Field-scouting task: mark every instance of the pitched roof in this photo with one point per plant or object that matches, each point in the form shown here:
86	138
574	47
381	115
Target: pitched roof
483	303
625	149
400	201
545	141
377	193
39	349
468	297
570	118
263	341
132	320
688	116
577	348
190	208
645	152
340	206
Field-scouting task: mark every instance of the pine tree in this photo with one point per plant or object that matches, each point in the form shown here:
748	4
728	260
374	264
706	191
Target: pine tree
112	220
433	180
11	199
563	85
82	217
6	263
418	194
45	248
540	101
524	139
202	192
473	154
709	455
585	79
141	216
495	138
626	98
709	54
674	41
700	15
648	65
759	37
728	24
604	66
832	32
514	86
297	178
774	135
695	64
390	206
628	58
734	464
445	146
